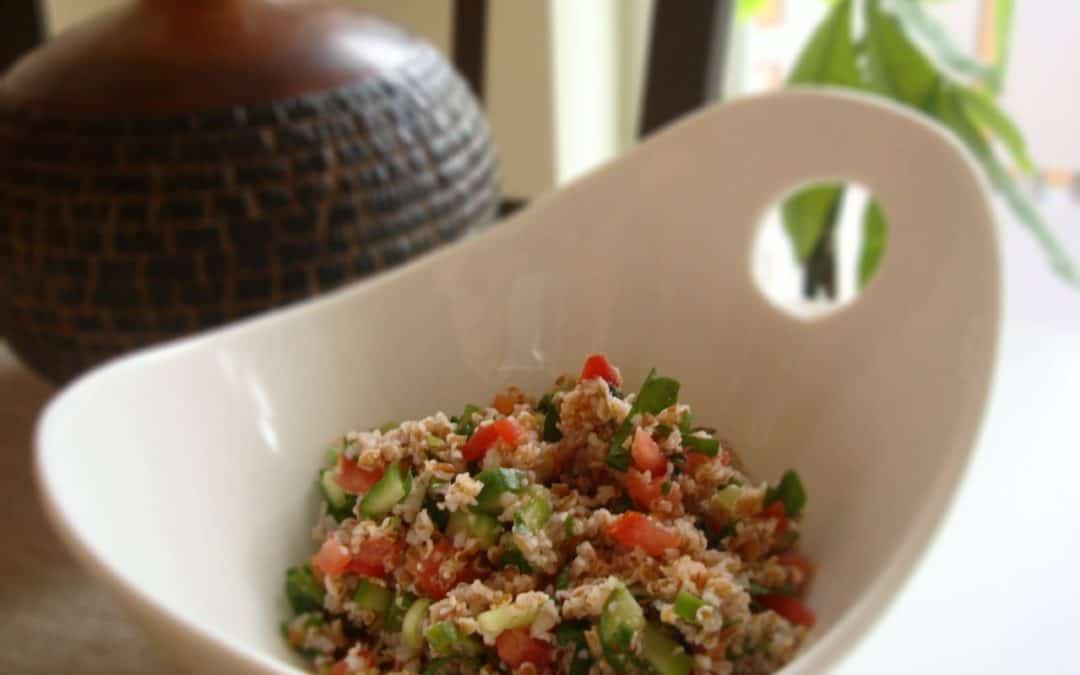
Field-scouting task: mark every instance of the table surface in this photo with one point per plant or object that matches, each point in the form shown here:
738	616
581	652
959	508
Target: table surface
994	594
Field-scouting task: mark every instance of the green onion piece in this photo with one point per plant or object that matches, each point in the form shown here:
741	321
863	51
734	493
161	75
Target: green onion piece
535	514
790	491
686	606
304	592
446	640
700	445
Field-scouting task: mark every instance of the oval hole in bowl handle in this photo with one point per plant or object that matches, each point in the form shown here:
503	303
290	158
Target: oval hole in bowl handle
941	246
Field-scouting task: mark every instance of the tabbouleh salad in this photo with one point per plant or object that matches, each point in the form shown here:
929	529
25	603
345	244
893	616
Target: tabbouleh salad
586	532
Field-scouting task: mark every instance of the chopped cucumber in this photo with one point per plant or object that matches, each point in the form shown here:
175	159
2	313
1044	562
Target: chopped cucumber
441	666
480	526
687	605
333	453
372	596
339	504
572	634
394	486
395	613
447	640
496	483
728	496
412	626
304	592
507	617
620	620
666	656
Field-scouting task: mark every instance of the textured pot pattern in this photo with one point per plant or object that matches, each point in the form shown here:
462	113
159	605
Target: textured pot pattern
117	232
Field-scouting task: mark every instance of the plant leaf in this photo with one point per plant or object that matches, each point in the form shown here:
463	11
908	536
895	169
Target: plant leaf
896	67
1003	17
983	110
949	109
829	55
748	8
918	23
807	216
873	244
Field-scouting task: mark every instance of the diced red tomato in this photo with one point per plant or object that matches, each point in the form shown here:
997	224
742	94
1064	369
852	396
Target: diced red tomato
484	438
598	365
341	668
696	460
647	455
642	490
790	608
776	510
332	558
803	564
504	403
376	558
354	479
636	529
517	647
429	575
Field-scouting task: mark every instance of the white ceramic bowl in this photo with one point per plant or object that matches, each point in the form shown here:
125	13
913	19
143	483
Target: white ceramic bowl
184	475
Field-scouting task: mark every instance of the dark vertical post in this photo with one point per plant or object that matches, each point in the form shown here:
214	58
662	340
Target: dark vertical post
685	65
470	42
22	27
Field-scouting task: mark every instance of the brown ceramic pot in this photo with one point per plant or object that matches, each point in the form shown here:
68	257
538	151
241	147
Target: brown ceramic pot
179	163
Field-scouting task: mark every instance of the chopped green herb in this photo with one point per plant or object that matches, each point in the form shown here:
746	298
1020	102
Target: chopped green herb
790	491
572	633
443	666
663	431
551	433
466	426
665	489
516	558
496	483
569	526
545	403
620	505
656	394
304	592
615	391
704	446
441	517
395	614
562	582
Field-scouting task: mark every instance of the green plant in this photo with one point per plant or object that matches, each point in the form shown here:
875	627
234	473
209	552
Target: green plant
904	55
